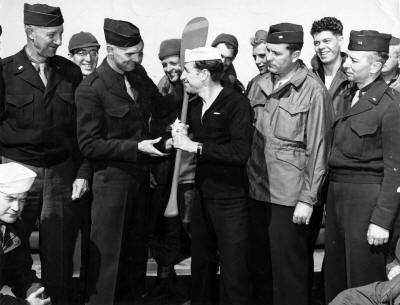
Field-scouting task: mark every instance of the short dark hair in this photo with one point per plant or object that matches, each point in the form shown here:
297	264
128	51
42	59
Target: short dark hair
382	57
331	24
216	68
294	46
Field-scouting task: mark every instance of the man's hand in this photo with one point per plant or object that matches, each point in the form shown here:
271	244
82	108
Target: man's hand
393	272
35	298
79	187
146	147
377	235
302	213
183	142
179	128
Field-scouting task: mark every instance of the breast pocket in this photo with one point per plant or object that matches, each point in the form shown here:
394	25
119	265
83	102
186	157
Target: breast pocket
67	108
363	140
291	121
117	119
21	107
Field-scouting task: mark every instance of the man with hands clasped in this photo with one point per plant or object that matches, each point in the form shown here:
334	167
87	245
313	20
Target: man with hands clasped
220	119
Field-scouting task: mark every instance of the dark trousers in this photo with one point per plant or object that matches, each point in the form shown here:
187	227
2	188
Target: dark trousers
223	225
49	202
280	254
349	260
118	238
168	236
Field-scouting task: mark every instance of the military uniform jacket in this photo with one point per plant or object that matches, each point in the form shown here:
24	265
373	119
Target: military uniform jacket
291	139
38	123
366	146
15	265
111	123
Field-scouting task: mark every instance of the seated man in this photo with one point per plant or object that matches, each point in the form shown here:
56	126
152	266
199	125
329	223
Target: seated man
377	293
15	259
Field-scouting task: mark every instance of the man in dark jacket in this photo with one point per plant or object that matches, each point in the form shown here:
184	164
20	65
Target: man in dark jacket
364	167
327	62
220	119
38	129
228	46
169	239
15	258
114	106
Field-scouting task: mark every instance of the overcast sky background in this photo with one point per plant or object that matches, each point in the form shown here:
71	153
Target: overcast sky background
164	19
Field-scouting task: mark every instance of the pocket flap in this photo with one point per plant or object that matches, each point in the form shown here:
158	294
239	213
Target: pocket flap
118	112
19	100
363	128
293	108
67	97
295	158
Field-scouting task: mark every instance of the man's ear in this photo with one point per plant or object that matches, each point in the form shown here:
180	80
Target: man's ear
376	67
295	55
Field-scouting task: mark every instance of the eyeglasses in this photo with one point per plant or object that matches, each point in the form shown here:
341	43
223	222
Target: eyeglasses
83	53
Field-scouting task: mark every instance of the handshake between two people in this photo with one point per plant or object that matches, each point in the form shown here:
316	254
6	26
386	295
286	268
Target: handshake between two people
179	140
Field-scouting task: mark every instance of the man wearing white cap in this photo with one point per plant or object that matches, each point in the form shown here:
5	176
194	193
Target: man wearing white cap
220	119
15	259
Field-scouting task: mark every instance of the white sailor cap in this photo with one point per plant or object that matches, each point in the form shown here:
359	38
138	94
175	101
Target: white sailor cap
202	53
15	178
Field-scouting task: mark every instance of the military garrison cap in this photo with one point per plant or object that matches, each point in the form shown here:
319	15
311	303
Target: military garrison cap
42	15
394	41
368	40
121	33
285	33
169	47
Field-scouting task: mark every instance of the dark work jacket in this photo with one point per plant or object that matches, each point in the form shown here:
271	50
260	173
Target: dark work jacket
229	79
15	265
111	123
38	124
225	131
339	84
366	146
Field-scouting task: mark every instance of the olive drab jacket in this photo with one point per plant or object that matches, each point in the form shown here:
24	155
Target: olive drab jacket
291	139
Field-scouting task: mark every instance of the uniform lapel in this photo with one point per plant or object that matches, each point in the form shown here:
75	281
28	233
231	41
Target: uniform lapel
23	69
109	78
53	76
371	97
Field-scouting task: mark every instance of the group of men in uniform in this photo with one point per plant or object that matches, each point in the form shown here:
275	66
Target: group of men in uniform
259	163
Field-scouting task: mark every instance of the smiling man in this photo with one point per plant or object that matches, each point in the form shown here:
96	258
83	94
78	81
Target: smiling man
169	243
220	119
327	63
390	70
114	104
259	44
83	50
363	198
38	128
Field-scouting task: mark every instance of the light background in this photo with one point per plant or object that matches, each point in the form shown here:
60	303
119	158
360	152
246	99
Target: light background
164	19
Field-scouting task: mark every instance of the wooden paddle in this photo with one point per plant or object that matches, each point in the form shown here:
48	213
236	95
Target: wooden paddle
194	36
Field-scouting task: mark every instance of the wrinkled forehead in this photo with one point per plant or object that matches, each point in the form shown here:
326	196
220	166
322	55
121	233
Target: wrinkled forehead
45	30
16	196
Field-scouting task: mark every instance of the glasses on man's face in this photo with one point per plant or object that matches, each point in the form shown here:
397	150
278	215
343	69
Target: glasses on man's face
83	53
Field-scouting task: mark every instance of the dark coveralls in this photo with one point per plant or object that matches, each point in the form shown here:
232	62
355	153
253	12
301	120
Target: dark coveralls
38	129
220	211
110	125
364	177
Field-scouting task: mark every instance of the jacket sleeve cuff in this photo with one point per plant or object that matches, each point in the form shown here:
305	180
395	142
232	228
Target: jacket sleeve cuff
308	198
130	150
